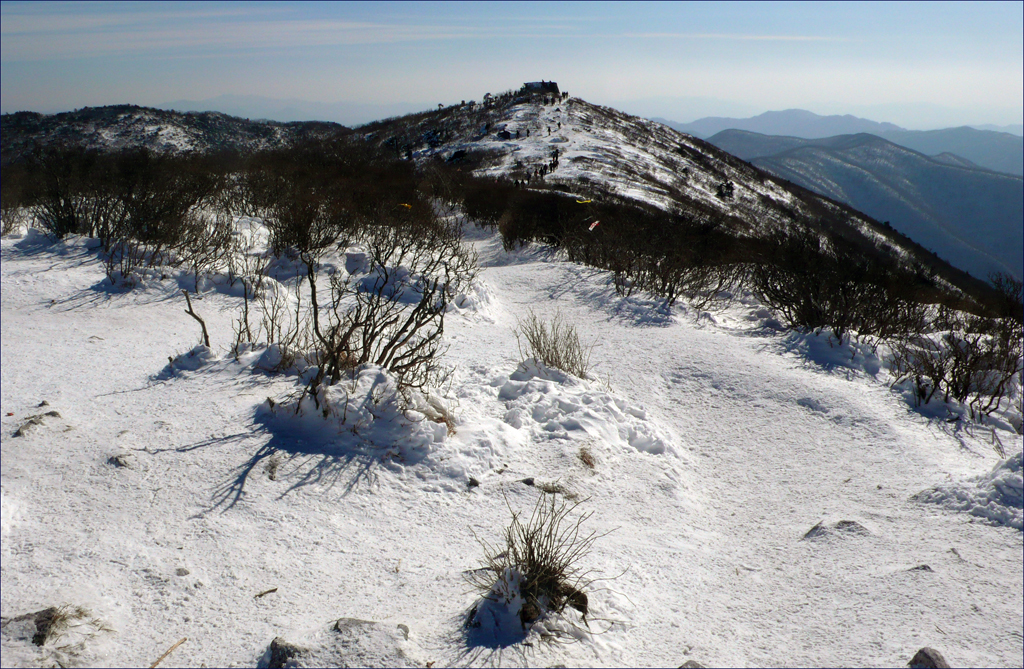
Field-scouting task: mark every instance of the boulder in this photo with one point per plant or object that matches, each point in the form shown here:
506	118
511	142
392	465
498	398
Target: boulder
348	642
281	652
928	658
842	528
34	627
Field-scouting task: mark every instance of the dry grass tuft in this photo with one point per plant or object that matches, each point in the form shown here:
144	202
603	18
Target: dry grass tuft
586	457
546	551
54	623
556	488
555	344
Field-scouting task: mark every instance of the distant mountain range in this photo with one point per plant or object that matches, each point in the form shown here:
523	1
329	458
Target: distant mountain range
791	123
1000	151
1017	129
970	215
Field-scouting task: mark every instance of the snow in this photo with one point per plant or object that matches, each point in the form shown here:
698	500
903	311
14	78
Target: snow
367	411
997	496
556	406
351	642
718	443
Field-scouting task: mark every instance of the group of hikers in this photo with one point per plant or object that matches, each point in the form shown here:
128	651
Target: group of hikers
538	172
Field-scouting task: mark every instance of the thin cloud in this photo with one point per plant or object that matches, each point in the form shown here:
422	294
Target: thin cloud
40	23
224	37
219	37
745	38
74	30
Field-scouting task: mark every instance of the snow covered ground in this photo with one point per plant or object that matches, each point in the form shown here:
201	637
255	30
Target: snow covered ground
761	504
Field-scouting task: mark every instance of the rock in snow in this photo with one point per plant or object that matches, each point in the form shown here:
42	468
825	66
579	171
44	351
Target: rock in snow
349	642
928	658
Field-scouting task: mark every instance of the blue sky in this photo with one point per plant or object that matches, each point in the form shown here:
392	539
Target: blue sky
919	64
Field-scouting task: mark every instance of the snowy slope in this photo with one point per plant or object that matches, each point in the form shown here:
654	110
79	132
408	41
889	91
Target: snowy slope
718	445
601	151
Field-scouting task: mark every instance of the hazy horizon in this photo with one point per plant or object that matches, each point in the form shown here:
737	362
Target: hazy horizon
920	66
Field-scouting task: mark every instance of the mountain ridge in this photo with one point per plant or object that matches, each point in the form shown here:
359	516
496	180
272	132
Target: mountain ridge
563	144
128	126
292	110
598	152
990	148
788	122
965	213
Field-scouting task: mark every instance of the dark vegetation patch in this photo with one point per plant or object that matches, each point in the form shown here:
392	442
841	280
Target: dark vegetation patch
818	264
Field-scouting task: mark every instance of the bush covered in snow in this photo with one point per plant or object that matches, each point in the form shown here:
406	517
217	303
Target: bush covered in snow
369	410
997	496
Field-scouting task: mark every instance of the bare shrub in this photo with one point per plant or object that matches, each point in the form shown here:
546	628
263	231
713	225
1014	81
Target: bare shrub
922	359
691	261
268	314
248	267
391	315
973	360
1009	302
13	218
555	344
303	218
817	283
441	187
205	242
202	324
314	194
138	204
13	204
158	197
325	196
282	325
124	256
65	187
542	557
395	317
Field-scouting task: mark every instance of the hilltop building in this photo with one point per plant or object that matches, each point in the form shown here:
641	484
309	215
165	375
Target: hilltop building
541	87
